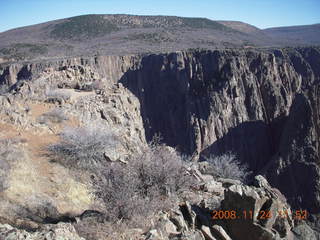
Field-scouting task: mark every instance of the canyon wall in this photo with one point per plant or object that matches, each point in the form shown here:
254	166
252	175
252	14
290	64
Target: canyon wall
263	105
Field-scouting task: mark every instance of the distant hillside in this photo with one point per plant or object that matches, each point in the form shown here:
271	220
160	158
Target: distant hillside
241	26
129	34
296	35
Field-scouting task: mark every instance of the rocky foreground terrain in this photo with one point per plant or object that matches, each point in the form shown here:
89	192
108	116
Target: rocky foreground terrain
260	105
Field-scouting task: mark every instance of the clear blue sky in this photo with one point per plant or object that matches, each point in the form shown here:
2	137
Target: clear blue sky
261	13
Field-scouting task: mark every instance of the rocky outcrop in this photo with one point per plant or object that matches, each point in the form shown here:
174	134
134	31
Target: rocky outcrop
197	218
262	105
69	71
49	232
256	212
261	212
35	190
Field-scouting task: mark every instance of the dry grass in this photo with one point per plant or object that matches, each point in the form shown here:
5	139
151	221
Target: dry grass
32	178
9	153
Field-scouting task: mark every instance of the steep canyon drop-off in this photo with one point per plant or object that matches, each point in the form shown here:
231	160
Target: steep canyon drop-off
262	105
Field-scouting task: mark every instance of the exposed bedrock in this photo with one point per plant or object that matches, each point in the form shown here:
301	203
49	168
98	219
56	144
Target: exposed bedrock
261	105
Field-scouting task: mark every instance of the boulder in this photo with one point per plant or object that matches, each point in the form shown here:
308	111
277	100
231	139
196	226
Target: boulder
218	230
207	233
191	235
153	235
177	218
226	182
188	214
212	186
259	212
303	231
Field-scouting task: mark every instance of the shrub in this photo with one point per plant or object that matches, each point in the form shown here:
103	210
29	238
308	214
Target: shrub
162	168
95	230
83	147
118	189
227	166
57	95
148	183
57	115
3	89
98	85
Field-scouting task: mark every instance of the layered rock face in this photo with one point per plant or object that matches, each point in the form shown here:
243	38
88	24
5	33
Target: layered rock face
261	105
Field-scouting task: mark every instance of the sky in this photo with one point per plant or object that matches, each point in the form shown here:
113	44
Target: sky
261	13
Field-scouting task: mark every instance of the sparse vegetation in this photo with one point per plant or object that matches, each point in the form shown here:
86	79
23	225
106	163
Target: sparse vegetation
204	23
151	37
57	95
83	147
79	36
83	26
93	229
98	85
148	183
22	51
8	154
227	166
57	115
3	89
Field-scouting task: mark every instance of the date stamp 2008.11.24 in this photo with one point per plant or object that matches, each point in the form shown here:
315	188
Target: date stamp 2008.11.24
261	215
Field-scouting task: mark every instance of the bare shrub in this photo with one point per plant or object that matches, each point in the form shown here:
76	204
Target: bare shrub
8	154
148	183
118	189
160	167
83	147
98	85
227	166
57	115
94	230
84	86
57	95
3	89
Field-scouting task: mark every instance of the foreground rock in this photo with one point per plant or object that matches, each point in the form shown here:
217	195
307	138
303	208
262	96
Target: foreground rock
260	212
268	216
49	232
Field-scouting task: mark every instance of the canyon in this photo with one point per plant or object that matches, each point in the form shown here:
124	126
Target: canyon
261	105
199	87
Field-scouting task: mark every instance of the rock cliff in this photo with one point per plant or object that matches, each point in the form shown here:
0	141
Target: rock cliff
263	105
